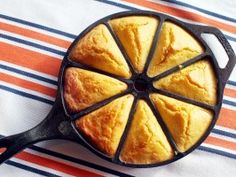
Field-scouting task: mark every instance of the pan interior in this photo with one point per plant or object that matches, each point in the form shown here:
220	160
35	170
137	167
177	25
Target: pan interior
141	85
137	86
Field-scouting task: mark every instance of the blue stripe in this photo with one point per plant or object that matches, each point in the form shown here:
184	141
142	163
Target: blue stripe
31	169
231	83
78	161
216	151
24	73
34	97
88	163
51	102
32	44
72	36
118	4
222	132
133	8
75	160
229	102
230	38
201	10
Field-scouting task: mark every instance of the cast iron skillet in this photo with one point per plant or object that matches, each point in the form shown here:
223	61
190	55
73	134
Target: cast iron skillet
59	123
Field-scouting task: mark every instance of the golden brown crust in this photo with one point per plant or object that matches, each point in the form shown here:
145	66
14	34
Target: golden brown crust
98	49
84	88
187	123
104	127
196	81
174	47
146	143
136	34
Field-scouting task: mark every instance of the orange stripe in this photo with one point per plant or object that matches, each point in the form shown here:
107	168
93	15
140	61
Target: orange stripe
184	14
34	35
51	65
221	143
227	118
28	84
52	164
230	92
59	166
29	59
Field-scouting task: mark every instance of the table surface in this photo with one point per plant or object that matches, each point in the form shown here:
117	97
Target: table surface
34	36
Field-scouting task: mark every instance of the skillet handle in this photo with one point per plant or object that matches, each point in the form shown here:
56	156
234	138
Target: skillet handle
225	72
54	126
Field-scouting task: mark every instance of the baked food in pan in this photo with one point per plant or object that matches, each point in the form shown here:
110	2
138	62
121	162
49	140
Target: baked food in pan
175	46
187	123
196	81
146	143
131	127
104	127
136	35
83	88
98	49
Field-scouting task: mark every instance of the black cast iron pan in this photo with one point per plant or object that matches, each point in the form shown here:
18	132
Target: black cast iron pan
59	123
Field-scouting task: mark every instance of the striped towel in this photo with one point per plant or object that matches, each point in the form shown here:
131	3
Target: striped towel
34	36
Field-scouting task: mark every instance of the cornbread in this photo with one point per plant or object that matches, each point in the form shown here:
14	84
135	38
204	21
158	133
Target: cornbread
104	127
113	58
187	123
84	88
136	34
175	46
196	81
146	143
99	50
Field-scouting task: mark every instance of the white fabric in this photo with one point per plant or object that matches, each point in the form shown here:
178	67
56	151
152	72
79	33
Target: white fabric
20	113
